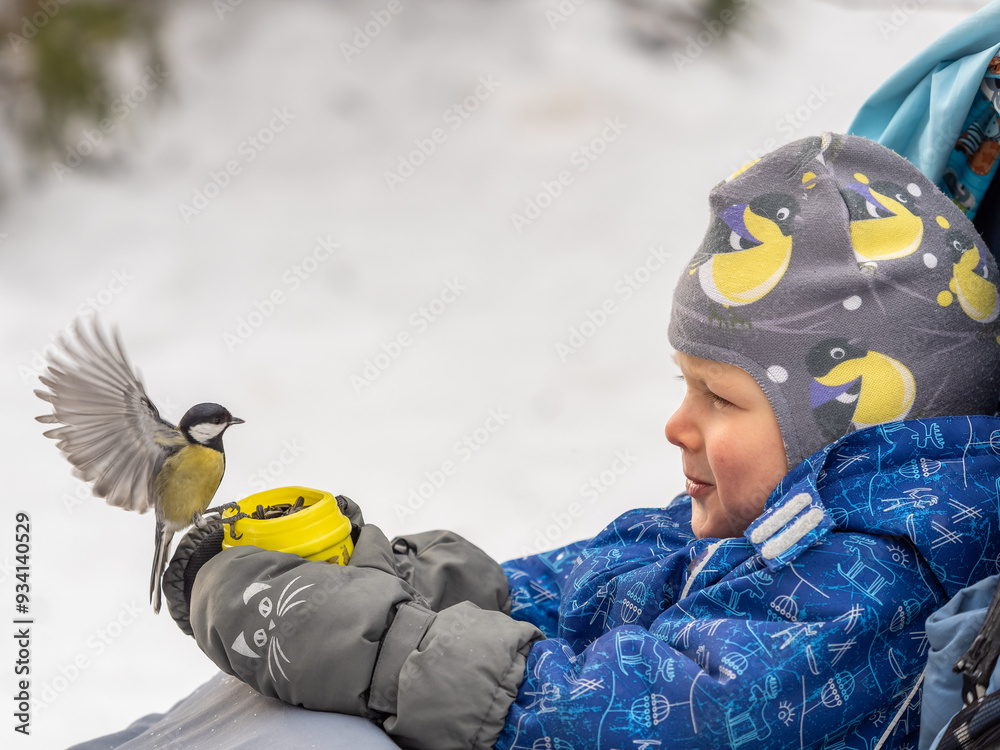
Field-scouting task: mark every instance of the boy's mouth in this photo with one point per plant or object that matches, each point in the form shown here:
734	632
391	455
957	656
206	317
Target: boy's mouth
697	489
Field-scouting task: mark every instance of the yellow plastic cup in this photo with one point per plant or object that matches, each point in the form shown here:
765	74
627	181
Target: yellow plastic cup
317	532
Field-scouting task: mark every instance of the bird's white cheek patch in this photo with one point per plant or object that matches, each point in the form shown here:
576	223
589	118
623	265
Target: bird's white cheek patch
205	432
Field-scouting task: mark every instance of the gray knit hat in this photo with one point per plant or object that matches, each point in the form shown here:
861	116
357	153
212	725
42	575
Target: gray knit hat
848	286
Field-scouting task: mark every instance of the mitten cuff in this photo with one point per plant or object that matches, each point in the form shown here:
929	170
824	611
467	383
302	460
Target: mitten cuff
457	685
196	548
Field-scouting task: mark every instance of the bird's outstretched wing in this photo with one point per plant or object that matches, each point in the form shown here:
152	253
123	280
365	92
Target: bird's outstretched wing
111	432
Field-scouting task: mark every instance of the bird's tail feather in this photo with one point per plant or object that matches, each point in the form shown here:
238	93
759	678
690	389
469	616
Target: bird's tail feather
163	538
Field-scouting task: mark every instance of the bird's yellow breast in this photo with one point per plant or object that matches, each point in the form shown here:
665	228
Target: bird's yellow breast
887	387
891	237
977	296
747	275
187	482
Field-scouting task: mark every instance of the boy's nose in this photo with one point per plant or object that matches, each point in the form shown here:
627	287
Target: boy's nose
677	428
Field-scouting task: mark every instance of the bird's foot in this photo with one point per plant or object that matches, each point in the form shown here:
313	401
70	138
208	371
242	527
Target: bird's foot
220	508
201	521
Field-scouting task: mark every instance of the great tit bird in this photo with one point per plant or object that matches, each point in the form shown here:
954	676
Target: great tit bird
748	250
976	294
114	437
854	385
885	222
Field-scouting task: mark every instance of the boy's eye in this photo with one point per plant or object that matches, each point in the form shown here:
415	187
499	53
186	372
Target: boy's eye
717	399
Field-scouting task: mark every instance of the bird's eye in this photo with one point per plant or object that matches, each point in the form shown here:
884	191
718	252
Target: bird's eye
957	245
782	213
216	420
837	353
901	198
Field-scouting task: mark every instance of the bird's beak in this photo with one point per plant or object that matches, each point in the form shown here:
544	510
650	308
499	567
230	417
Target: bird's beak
236	420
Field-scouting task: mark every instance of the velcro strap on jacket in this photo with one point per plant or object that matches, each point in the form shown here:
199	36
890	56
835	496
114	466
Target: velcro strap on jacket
789	526
404	635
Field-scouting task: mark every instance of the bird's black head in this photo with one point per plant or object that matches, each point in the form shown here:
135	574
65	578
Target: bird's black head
860	208
829	353
205	423
779	208
898	193
958	243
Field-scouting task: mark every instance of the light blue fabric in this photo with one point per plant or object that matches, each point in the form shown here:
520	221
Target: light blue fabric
919	112
950	632
657	639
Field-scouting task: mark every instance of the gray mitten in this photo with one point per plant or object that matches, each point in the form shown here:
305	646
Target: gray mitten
358	639
447	569
265	617
197	547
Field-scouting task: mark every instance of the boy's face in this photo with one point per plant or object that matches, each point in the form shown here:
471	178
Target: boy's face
730	445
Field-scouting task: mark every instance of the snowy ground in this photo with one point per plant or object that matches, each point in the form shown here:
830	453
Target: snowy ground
435	258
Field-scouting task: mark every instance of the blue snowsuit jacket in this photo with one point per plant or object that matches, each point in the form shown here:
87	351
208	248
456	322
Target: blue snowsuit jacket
806	633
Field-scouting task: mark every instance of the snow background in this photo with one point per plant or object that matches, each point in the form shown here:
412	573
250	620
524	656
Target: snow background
100	658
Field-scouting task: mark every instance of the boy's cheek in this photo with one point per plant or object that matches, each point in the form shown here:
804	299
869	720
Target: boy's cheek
751	510
731	458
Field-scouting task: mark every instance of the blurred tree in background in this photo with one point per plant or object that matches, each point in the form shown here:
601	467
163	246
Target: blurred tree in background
671	25
63	65
66	66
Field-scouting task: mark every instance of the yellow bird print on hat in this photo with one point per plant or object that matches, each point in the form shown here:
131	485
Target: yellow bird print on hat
970	283
747	252
884	221
852	384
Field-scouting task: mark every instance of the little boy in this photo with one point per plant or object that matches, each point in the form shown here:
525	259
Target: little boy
836	330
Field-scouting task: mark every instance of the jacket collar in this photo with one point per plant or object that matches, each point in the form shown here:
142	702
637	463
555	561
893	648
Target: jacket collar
887	480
